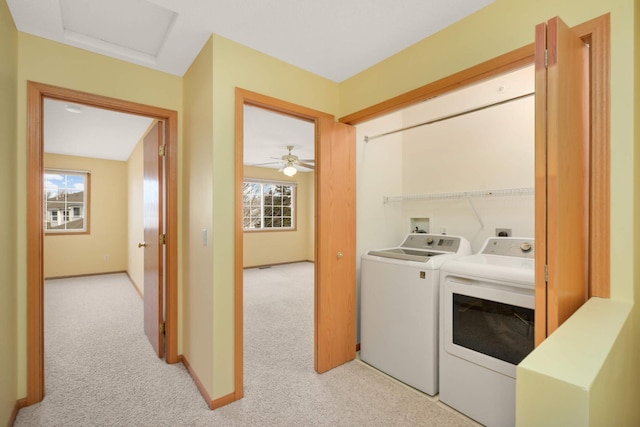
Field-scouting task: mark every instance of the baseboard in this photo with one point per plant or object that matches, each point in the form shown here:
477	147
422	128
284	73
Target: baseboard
278	263
21	403
84	275
212	404
135	285
222	401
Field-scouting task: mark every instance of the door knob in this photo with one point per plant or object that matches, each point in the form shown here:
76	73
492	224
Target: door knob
142	245
339	255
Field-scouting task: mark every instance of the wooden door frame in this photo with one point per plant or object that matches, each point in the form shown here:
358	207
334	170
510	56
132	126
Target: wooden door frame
596	33
245	97
36	93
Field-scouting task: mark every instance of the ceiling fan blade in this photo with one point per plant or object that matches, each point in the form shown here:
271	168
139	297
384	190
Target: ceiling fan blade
306	165
307	160
262	164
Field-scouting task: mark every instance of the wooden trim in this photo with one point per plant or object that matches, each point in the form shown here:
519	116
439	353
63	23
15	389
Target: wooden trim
278	263
241	98
36	92
73	276
596	32
540	315
138	290
504	63
199	385
245	97
20	403
222	401
35	247
279	106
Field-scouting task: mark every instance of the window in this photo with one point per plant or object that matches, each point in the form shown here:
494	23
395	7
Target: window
66	201
268	205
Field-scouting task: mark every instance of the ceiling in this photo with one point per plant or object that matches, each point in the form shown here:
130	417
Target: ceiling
334	39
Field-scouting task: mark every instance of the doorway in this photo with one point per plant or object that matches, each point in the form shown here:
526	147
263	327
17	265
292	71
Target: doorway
35	240
334	230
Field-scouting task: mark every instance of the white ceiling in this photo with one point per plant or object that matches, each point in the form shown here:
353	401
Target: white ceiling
332	38
91	132
335	39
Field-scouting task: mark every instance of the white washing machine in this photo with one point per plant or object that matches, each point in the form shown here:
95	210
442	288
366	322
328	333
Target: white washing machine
399	307
486	328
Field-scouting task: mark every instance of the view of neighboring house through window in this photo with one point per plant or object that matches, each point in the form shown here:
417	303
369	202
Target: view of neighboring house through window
66	196
268	205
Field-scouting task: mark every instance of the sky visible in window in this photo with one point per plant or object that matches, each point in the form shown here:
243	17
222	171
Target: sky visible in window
53	183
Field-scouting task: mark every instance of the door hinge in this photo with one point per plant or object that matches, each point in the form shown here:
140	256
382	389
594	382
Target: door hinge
162	328
546	272
546	58
162	151
163	239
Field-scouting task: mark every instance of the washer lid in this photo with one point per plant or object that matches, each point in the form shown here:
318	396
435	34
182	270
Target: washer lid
405	254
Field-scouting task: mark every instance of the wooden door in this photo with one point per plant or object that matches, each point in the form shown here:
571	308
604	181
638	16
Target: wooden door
153	246
335	281
562	175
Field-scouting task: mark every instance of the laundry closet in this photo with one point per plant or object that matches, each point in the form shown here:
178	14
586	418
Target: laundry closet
461	164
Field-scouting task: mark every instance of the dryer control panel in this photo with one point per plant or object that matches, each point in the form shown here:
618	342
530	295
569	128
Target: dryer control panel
510	246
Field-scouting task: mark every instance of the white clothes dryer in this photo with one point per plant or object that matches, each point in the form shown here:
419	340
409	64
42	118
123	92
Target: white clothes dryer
486	328
399	307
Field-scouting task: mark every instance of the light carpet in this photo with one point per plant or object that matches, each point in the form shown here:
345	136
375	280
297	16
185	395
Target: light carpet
101	371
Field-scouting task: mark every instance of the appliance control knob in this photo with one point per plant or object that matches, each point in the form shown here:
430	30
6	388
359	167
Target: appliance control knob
429	240
525	247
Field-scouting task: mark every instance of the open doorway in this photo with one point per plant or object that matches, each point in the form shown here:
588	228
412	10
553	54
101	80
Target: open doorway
334	231
278	251
38	93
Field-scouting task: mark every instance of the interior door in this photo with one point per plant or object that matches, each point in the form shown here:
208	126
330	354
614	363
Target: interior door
335	281
562	175
153	247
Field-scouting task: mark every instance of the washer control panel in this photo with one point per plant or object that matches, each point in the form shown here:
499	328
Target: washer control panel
436	242
510	246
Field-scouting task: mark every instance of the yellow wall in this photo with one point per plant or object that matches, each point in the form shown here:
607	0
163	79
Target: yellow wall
8	236
52	63
207	198
197	194
135	216
278	247
238	66
104	248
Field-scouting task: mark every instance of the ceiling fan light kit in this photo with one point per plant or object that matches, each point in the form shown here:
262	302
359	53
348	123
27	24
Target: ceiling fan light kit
289	170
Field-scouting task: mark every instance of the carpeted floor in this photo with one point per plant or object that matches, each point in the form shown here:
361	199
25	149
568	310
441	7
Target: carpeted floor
101	371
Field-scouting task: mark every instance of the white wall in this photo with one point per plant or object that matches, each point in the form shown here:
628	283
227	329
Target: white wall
485	150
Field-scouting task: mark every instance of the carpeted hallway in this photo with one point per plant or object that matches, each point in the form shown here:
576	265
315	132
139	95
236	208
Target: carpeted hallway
101	371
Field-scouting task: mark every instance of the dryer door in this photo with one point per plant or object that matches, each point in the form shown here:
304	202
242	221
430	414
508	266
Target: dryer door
487	323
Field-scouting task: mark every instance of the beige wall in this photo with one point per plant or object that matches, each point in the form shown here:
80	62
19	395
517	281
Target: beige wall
135	216
210	330
278	247
103	249
207	196
52	63
197	195
497	29
8	236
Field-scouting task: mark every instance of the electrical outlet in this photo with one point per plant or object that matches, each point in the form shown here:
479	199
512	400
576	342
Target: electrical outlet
503	232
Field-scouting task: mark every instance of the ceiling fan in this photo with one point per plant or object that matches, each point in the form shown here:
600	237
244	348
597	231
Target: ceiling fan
290	161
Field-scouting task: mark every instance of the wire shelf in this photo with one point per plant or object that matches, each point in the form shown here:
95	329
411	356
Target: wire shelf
527	191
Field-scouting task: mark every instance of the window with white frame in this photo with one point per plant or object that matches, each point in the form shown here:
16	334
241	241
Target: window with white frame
66	201
268	205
